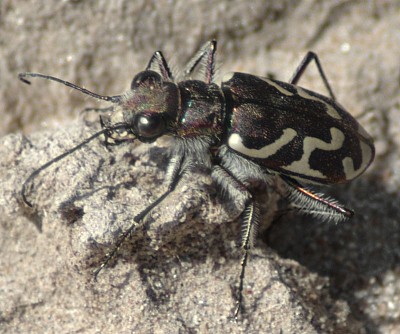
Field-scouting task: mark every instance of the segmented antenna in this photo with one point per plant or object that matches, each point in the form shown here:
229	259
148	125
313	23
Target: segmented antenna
112	99
63	155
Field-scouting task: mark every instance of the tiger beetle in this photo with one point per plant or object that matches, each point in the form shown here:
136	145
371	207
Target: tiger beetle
249	128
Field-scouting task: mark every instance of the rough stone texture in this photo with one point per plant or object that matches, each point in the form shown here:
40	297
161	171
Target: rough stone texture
180	273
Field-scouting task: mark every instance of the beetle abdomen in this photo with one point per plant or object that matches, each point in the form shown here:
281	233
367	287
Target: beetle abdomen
293	131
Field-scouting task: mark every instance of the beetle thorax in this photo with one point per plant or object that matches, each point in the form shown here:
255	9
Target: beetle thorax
202	110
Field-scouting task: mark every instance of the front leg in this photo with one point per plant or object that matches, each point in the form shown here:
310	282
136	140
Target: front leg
176	168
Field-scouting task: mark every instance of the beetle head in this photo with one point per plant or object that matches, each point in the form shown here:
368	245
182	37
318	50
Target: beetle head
149	109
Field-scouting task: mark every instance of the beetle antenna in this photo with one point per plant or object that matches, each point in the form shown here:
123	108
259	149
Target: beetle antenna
22	77
63	155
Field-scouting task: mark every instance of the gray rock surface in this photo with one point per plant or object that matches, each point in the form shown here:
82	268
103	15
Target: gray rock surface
178	275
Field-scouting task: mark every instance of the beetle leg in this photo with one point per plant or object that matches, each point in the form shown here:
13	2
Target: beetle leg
160	62
250	225
315	204
206	54
302	67
175	170
235	188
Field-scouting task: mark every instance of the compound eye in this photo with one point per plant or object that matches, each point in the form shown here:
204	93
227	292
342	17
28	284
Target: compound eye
149	126
149	78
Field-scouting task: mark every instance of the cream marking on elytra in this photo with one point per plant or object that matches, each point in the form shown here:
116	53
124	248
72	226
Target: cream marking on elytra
366	153
348	164
235	142
228	76
310	144
329	109
279	88
348	168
